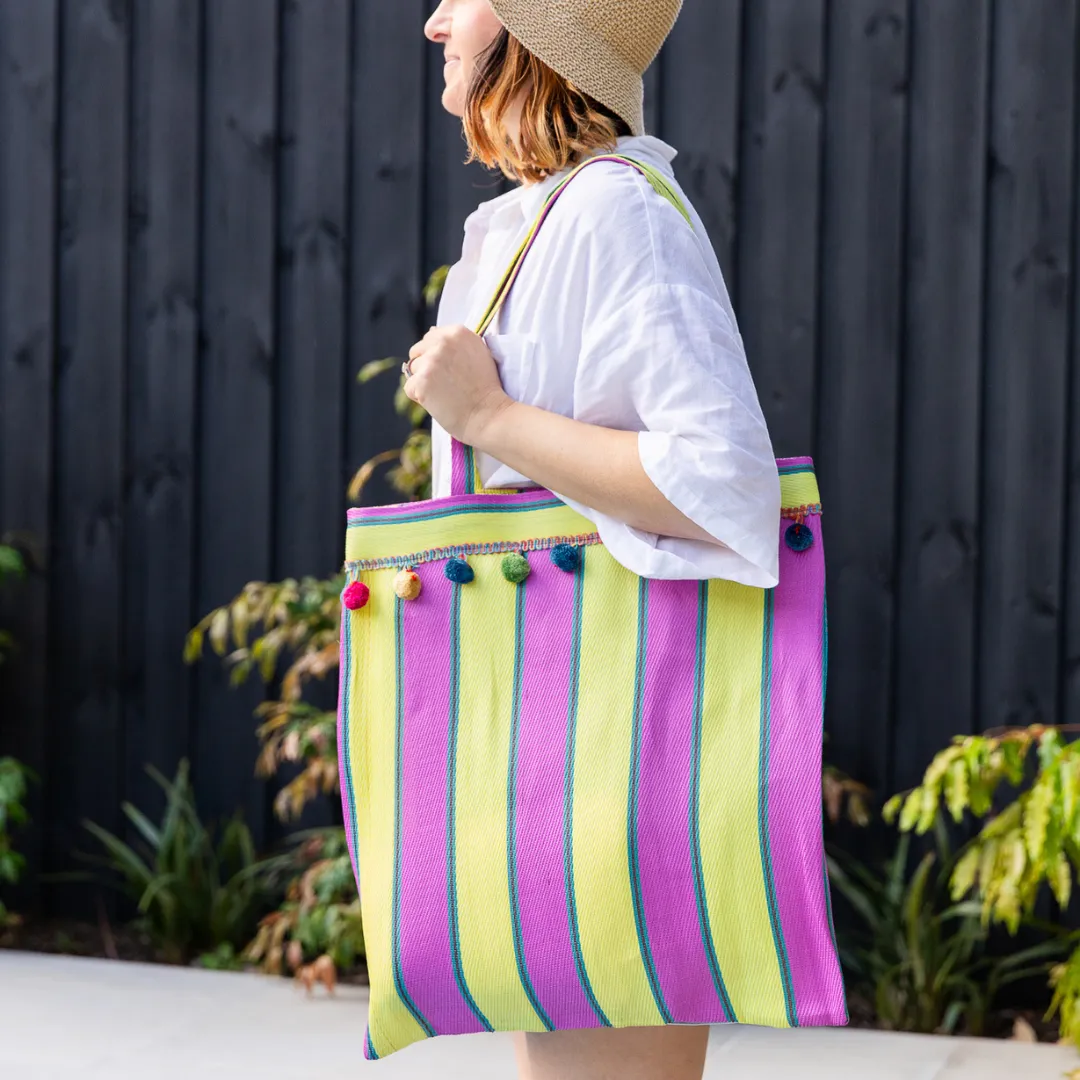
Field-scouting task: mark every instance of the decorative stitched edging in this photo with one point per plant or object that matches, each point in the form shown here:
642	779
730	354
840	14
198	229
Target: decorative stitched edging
499	547
505	547
800	513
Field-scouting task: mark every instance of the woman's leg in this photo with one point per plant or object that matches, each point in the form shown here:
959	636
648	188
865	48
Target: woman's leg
664	1053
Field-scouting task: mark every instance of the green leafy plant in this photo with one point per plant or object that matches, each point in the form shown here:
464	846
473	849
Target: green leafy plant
411	471
13	775
321	913
1030	839
196	892
13	786
297	621
919	959
12	565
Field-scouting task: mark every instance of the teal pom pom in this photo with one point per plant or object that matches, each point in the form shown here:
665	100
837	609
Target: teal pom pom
459	571
566	557
799	537
516	568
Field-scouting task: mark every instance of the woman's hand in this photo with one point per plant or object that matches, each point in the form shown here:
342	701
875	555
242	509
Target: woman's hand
453	375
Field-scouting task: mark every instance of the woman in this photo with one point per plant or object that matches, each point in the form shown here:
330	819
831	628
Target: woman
617	376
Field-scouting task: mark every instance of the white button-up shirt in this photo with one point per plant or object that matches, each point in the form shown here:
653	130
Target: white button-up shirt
620	317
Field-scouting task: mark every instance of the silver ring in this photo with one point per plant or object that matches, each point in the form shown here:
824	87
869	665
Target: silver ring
407	368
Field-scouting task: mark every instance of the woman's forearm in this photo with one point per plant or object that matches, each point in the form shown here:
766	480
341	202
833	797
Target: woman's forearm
595	466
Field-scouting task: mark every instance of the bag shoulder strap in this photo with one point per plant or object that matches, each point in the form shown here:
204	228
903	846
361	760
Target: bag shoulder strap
464	472
659	182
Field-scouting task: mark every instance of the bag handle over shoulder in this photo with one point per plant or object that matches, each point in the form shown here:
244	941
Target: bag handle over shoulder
464	474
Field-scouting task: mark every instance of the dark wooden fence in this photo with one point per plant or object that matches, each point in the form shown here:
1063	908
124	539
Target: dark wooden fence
212	213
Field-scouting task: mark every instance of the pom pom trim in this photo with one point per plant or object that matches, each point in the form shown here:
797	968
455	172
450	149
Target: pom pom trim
356	596
459	551
516	568
407	585
459	572
566	557
799	537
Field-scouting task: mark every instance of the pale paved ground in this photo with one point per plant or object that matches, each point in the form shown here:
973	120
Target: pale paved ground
86	1018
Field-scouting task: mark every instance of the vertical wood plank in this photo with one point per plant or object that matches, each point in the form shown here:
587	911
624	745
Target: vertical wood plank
88	550
162	387
238	372
314	228
700	117
942	383
861	341
313	290
1070	643
387	201
1031	148
780	211
28	131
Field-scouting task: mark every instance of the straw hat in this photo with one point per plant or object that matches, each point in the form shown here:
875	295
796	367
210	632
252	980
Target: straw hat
603	47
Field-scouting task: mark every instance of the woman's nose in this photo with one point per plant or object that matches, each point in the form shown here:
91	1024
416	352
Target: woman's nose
437	28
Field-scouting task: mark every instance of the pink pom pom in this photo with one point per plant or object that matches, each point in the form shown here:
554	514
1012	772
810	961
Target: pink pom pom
356	596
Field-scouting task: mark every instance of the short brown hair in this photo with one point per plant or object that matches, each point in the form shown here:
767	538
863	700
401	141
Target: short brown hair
559	123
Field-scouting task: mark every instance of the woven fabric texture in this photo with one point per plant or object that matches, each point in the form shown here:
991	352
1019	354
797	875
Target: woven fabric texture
603	47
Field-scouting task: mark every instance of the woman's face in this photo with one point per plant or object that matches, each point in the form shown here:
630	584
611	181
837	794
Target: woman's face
465	28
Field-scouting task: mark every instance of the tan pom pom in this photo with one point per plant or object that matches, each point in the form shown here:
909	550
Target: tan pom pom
407	585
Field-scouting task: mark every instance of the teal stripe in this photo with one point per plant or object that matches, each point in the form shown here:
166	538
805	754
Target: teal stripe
470	471
695	805
371	1055
399	736
346	630
412	518
632	808
568	806
763	811
451	808
794	470
511	811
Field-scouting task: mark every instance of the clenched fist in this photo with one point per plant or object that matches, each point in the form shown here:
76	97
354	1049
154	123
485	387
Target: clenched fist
452	374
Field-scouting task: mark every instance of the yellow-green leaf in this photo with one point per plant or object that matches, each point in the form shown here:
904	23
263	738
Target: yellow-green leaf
909	816
219	631
193	646
988	855
892	808
956	789
927	810
940	766
963	878
1061	880
1014	861
1067	780
1037	808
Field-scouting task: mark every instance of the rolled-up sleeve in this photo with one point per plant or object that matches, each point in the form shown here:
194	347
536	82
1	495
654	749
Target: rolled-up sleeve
673	353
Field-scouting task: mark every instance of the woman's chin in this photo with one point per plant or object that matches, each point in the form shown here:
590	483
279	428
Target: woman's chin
453	101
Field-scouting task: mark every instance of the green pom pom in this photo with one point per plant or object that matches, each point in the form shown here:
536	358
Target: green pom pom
516	568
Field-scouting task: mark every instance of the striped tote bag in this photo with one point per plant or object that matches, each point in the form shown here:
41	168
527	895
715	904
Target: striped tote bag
575	797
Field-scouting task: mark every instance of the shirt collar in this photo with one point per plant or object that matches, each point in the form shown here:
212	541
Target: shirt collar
648	148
